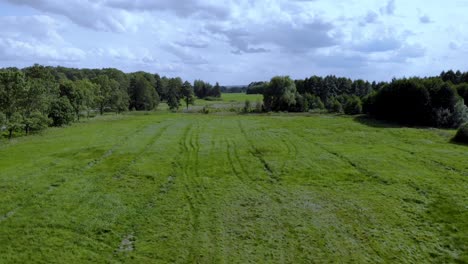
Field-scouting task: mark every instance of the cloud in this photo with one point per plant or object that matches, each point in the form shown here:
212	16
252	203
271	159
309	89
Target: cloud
371	18
288	37
180	7
34	38
85	13
186	55
425	19
389	9
379	45
454	45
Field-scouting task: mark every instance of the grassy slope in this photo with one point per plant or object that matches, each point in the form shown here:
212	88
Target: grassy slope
209	188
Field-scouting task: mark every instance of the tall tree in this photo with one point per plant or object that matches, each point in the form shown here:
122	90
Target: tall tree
174	93
188	94
279	94
103	94
143	96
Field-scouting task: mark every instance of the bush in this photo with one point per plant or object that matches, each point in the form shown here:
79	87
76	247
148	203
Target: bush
247	107
205	110
258	106
2	122
462	134
212	98
352	105
334	106
460	114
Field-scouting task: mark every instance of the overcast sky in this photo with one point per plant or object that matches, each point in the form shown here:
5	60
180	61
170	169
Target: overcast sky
239	41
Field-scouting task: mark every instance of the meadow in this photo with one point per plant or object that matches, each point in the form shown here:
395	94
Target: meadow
166	187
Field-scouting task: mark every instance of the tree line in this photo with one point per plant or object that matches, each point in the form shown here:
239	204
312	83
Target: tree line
433	101
37	97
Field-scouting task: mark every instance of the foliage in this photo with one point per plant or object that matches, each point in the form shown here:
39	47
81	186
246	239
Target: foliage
462	134
188	94
143	95
61	112
279	94
335	106
203	89
405	101
256	88
247	107
462	90
352	105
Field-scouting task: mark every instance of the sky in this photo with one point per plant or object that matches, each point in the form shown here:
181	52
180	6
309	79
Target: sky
235	42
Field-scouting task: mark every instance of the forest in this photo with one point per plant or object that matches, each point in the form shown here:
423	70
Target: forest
37	97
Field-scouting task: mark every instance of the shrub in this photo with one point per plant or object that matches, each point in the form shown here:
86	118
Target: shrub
352	105
247	107
205	110
335	106
258	106
462	134
460	114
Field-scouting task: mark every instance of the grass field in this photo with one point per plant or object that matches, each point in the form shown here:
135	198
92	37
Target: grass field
192	188
233	102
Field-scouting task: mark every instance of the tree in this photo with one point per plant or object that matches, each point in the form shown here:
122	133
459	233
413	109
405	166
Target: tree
143	95
174	93
462	90
35	121
88	91
75	96
352	105
14	124
216	91
335	106
279	94
405	101
103	92
188	94
12	89
3	123
61	112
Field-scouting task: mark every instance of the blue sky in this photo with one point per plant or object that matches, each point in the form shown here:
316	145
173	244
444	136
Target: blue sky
239	41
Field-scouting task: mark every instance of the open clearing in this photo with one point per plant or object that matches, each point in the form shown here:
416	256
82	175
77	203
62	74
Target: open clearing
190	188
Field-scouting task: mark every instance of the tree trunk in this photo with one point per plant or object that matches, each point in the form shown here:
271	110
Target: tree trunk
10	135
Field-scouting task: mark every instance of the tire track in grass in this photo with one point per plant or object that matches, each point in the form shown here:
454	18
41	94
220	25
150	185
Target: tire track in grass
238	168
274	191
56	184
96	178
254	151
188	194
196	195
431	162
360	169
123	170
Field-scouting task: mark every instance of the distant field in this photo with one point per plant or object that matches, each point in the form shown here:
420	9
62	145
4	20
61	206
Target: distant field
241	97
192	188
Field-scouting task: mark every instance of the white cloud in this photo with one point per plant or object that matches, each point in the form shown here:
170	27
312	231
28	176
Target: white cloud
237	41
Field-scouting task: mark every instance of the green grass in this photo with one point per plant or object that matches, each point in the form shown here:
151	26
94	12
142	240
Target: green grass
241	97
187	188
